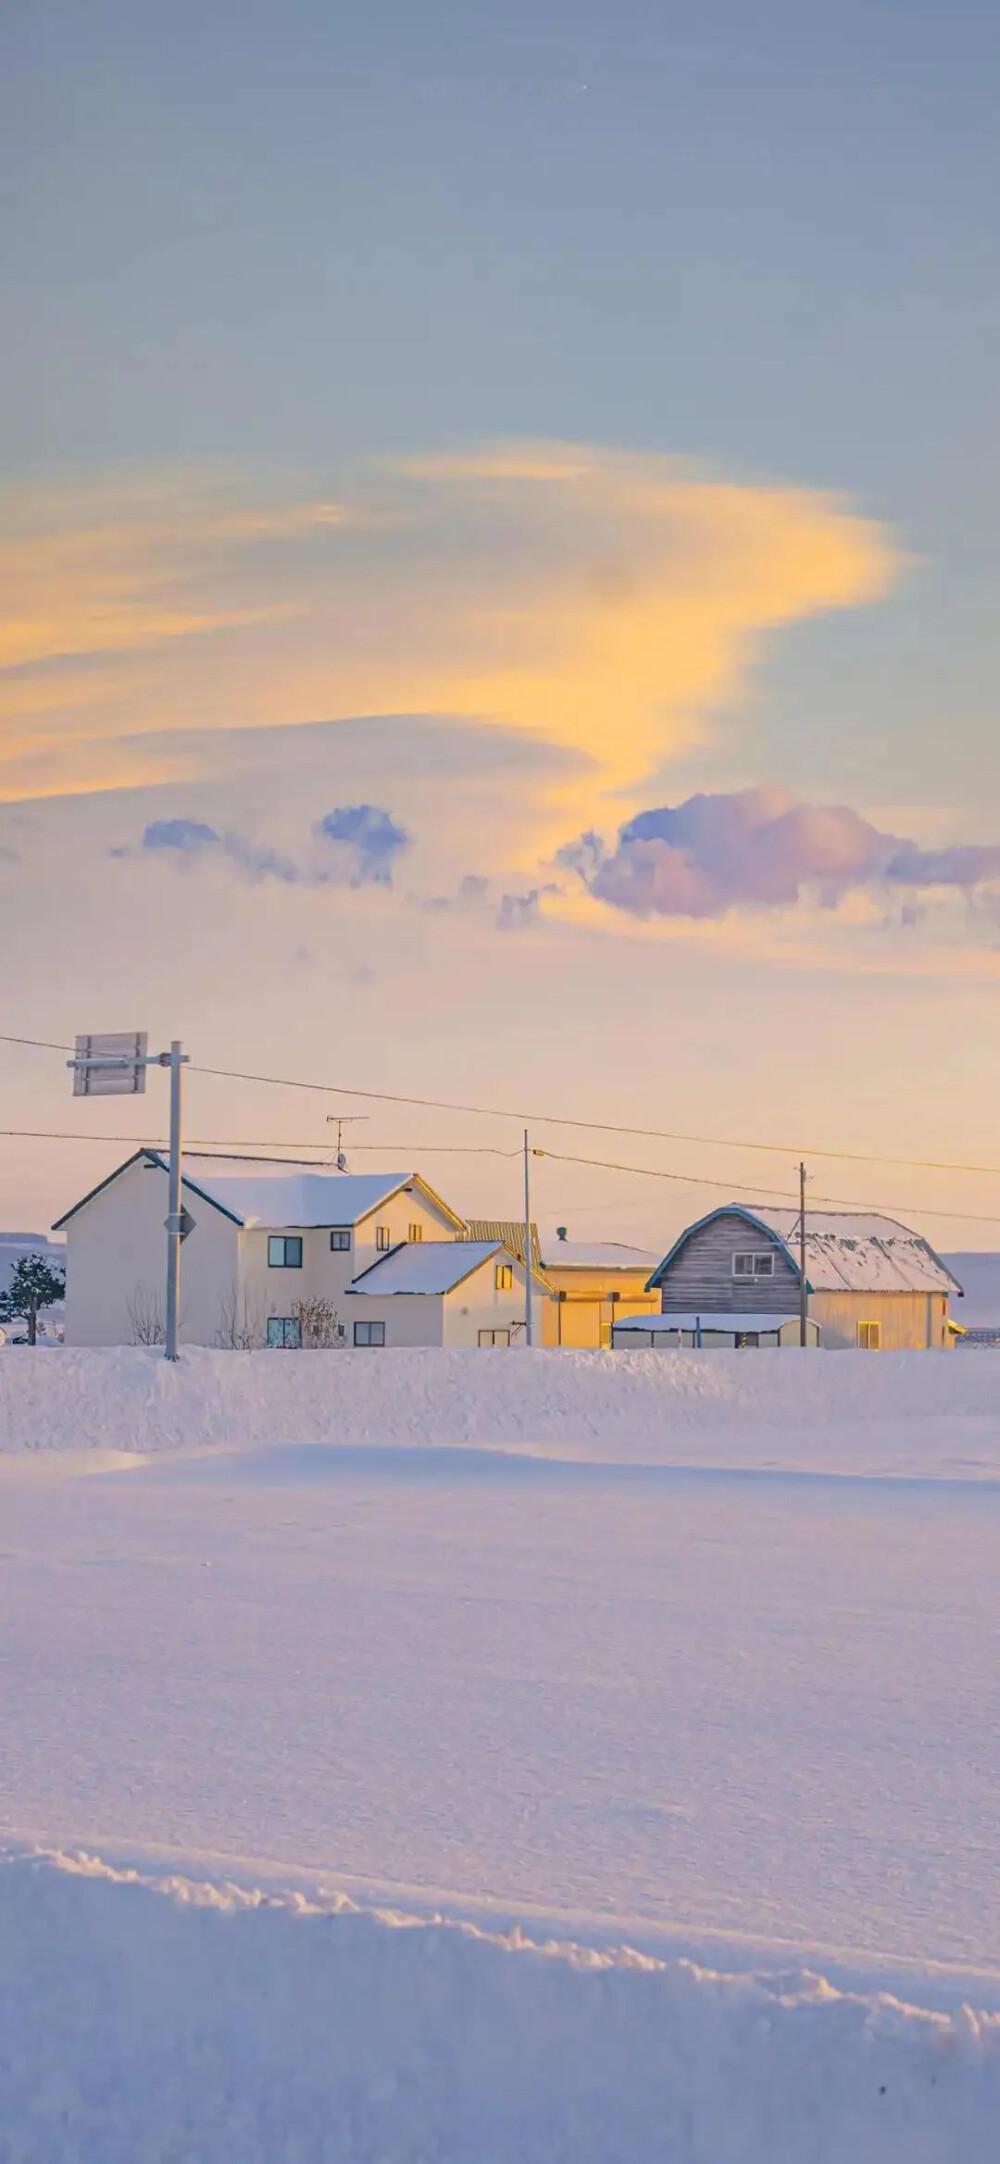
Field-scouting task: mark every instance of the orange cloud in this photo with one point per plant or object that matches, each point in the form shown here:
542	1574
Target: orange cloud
608	604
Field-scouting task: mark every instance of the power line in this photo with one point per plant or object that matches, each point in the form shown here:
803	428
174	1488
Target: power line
559	1119
229	1150
780	1194
281	1142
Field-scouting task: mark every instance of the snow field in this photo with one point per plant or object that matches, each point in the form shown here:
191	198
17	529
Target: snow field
148	2022
911	1414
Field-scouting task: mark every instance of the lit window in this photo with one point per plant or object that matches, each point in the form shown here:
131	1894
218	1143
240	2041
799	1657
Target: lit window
369	1333
869	1337
383	1238
494	1337
503	1277
754	1262
284	1331
284	1252
340	1240
415	1232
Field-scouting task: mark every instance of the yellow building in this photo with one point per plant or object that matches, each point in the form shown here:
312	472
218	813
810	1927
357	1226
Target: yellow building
592	1283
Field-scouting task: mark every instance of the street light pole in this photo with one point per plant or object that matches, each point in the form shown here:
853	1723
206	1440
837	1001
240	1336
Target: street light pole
115	1065
529	1337
803	1283
175	1218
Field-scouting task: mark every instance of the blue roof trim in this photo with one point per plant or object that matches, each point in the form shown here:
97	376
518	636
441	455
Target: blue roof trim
725	1209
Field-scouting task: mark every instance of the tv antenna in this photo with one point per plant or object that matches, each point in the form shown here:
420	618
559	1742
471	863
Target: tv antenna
341	1120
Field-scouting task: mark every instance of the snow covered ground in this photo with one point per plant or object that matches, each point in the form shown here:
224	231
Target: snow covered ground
211	2025
694	1655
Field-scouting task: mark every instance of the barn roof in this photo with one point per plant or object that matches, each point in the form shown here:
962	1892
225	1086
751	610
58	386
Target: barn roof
846	1250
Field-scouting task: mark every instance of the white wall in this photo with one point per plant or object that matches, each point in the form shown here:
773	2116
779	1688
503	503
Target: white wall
477	1305
410	1318
325	1274
452	1319
116	1252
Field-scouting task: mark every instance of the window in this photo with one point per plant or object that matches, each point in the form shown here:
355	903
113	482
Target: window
284	1331
869	1337
415	1232
494	1337
503	1277
754	1262
369	1333
284	1252
383	1238
340	1240
746	1338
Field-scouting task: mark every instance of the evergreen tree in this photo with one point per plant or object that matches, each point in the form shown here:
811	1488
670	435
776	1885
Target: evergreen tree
34	1285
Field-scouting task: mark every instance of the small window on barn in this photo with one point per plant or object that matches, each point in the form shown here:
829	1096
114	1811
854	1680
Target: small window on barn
415	1232
340	1240
494	1337
754	1262
383	1239
869	1337
503	1277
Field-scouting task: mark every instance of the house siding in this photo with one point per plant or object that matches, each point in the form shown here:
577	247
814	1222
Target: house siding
908	1321
116	1261
592	1298
700	1276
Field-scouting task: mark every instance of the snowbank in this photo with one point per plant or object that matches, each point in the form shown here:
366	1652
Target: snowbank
923	1414
228	2027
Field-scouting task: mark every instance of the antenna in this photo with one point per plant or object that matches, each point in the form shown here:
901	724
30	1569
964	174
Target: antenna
340	1120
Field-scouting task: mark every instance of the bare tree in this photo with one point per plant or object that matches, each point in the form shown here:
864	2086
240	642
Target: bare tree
146	1321
320	1327
241	1321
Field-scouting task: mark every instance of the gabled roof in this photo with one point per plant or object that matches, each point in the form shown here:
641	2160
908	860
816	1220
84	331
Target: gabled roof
428	1266
279	1200
509	1231
846	1250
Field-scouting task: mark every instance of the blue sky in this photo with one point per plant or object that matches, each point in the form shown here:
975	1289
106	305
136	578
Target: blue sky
742	258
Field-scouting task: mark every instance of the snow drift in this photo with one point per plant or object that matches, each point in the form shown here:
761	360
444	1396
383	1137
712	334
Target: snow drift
923	1414
179	2019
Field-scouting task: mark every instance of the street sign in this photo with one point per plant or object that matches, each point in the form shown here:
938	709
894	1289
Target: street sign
115	1066
112	1065
185	1224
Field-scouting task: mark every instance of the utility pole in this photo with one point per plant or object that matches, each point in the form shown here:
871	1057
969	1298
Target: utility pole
114	1065
803	1285
174	1059
529	1336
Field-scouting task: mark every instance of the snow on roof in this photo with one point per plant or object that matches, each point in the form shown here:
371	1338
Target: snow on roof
721	1320
300	1198
595	1255
858	1251
426	1266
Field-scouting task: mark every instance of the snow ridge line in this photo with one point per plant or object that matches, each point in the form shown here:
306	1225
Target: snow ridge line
164	2017
903	1414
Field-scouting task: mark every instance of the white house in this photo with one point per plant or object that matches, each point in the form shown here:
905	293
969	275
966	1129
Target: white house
264	1239
441	1292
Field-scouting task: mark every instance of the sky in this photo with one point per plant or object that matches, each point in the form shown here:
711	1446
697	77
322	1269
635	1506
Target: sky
498	550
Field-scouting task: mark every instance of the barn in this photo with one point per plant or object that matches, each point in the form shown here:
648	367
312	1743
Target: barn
871	1282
